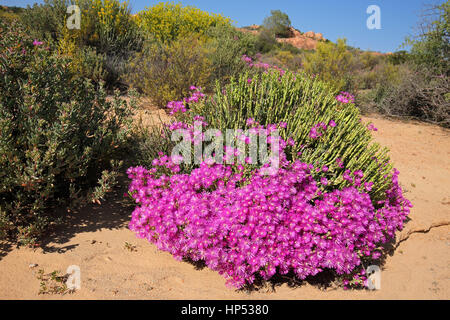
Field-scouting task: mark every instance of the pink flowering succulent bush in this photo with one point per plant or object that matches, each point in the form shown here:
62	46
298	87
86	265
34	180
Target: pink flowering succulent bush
331	205
251	225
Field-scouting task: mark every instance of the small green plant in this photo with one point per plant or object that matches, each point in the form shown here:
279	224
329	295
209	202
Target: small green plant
53	283
130	247
148	141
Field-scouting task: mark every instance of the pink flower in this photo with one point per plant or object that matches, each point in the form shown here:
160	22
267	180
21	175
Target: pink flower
250	121
339	163
37	43
345	97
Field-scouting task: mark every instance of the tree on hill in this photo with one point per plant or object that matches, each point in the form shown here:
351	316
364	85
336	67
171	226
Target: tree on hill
278	23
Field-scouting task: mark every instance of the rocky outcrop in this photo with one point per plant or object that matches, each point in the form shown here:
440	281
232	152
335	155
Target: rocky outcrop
306	41
315	36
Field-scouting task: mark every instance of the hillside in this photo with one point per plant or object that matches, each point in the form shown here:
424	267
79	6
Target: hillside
301	40
306	41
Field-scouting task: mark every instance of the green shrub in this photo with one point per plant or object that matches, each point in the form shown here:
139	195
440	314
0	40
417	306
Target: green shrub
110	27
332	63
91	65
399	57
165	71
108	34
431	46
384	74
148	140
285	59
106	25
226	46
301	102
285	46
59	136
85	61
46	20
266	41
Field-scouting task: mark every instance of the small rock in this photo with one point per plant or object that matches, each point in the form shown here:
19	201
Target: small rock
32	265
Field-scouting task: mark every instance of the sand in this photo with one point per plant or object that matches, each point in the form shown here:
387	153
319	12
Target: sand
95	240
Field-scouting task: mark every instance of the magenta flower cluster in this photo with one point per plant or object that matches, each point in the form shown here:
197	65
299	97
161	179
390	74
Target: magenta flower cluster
345	97
250	225
37	43
180	106
320	128
260	65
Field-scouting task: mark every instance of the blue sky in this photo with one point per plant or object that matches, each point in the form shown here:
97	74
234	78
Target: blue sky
334	18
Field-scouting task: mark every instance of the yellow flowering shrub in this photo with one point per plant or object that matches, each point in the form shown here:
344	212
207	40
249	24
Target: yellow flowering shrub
167	21
83	61
108	25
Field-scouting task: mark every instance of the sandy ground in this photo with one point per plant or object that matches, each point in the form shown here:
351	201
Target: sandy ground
94	239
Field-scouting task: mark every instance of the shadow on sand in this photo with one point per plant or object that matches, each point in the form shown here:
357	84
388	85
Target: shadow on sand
113	213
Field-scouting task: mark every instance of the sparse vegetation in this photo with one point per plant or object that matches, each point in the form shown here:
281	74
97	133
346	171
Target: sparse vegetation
53	283
130	247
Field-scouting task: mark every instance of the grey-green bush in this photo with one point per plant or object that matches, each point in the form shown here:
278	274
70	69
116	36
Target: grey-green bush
60	139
